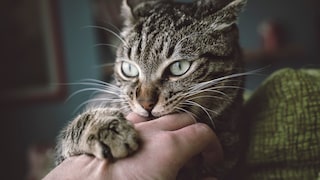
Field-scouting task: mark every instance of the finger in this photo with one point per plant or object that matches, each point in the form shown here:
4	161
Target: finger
193	139
170	122
135	118
81	159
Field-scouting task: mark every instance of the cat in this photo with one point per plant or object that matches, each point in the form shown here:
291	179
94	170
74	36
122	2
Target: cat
174	57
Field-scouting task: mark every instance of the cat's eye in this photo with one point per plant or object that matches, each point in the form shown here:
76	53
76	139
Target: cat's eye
129	69
179	68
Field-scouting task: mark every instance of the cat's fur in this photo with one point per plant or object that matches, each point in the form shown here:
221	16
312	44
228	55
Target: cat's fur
206	83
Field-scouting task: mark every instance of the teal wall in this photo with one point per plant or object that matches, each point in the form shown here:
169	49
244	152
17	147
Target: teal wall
41	122
38	123
299	18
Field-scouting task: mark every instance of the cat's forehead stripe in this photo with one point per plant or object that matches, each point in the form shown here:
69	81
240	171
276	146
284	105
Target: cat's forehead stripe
170	33
155	34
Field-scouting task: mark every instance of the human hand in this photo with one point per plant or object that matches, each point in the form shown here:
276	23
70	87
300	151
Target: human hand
167	144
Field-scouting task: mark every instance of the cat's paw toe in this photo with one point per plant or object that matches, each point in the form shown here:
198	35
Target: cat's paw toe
117	139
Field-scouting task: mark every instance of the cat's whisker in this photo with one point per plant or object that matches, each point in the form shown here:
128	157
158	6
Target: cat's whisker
107	100
210	83
92	89
105	85
125	107
205	110
96	85
107	23
214	89
114	26
97	93
110	31
227	87
101	82
192	115
95	80
86	84
197	104
205	84
190	94
206	96
106	44
97	100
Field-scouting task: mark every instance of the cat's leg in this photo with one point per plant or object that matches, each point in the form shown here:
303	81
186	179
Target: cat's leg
104	133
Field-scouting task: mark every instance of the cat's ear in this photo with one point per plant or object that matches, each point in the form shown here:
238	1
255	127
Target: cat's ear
131	10
127	10
220	14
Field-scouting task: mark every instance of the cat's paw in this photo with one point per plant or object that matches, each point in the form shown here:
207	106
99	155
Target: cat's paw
112	137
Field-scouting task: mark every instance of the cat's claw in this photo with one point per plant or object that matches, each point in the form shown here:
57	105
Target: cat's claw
113	140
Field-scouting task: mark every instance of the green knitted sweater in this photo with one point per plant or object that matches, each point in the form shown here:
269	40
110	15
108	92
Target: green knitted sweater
284	130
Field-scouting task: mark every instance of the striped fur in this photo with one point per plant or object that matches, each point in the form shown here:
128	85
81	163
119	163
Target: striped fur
159	39
103	133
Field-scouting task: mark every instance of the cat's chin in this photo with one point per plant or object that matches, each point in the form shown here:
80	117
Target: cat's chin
145	114
151	118
148	117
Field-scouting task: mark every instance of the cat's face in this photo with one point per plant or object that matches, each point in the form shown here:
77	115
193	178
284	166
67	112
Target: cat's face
175	57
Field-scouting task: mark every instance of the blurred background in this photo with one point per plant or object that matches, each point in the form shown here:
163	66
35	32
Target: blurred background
46	44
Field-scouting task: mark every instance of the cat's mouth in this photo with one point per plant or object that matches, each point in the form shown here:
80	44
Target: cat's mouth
151	117
150	105
153	114
147	117
148	114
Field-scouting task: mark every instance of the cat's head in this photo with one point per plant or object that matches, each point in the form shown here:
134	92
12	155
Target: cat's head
176	56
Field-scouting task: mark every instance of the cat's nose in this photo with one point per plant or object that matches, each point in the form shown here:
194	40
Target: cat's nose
147	96
147	104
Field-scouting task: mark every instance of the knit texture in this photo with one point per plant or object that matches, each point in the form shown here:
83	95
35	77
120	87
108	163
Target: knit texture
284	131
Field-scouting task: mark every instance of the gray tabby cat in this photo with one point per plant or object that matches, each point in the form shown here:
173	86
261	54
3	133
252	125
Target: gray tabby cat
174	58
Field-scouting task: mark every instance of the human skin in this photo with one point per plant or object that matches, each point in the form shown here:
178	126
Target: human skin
167	144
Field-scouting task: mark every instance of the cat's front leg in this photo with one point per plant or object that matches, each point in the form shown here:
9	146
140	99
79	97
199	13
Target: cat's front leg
104	133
